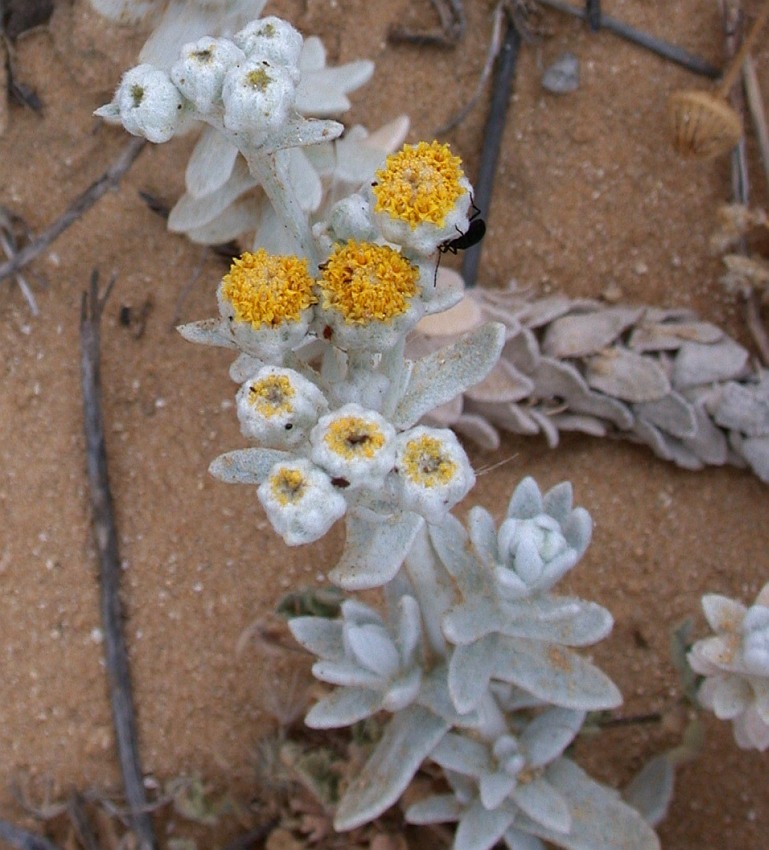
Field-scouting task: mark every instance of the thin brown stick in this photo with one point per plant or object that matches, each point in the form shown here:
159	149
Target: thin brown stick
757	113
105	535
109	180
82	825
741	185
23	840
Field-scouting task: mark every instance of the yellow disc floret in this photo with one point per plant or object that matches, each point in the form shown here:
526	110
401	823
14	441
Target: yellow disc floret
365	282
352	436
271	396
420	183
425	462
265	289
288	485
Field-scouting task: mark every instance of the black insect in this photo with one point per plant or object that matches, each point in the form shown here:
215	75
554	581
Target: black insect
476	230
472	236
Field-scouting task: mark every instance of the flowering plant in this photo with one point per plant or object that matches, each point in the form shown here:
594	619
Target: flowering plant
473	655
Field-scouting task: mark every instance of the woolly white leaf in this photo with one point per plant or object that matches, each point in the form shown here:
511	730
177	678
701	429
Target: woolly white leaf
600	820
449	540
526	501
566	620
483	534
408	739
494	788
518	840
374	549
463	755
480	829
651	789
555	674
373	648
246	466
343	707
443	374
210	164
543	804
208	332
557	502
347	674
470	671
441	808
472	620
548	735
319	635
723	614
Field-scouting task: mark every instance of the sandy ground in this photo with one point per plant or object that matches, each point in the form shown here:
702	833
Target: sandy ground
588	194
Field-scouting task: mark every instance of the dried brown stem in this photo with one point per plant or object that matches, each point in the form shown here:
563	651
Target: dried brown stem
23	840
105	536
108	180
741	185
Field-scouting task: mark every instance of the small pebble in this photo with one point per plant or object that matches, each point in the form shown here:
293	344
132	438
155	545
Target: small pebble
562	77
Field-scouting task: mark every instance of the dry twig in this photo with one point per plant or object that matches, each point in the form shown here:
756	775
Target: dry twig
105	535
451	30
23	840
108	180
740	184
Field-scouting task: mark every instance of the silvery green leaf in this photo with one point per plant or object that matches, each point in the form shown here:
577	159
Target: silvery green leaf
548	735
578	530
516	839
543	804
210	163
343	707
555	674
433	588
462	755
470	670
483	534
721	612
403	690
409	738
246	466
192	211
239	217
557	502
449	539
304	131
434	696
494	788
347	674
566	620
651	789
319	635
480	829
445	373
373	649
208	332
244	367
409	628
600	820
472	620
526	501
441	808
374	549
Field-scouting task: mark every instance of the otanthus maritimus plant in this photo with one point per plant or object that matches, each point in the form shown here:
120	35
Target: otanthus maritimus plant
472	658
735	665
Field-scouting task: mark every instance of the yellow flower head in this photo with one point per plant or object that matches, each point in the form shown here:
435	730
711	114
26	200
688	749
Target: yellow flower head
426	462
287	485
364	282
354	436
272	395
268	290
420	183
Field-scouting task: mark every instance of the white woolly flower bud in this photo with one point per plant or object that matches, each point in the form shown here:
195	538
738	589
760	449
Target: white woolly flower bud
300	501
433	471
354	445
527	545
755	640
199	73
258	98
272	39
278	407
350	218
147	103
